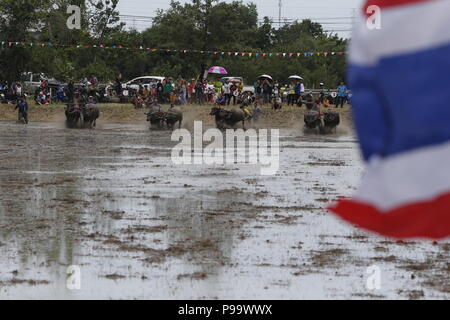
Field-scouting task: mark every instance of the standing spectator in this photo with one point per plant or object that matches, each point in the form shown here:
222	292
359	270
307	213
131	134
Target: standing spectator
234	92
70	91
291	95
159	91
18	89
60	95
258	90
22	105
183	92
299	90
341	95
191	91
226	91
199	92
265	91
167	90
119	88
322	93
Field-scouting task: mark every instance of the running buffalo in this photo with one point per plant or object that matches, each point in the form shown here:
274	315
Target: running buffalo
331	120
160	119
313	121
90	115
174	116
228	118
73	115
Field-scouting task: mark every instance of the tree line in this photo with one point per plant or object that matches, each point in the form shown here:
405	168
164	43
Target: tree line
209	25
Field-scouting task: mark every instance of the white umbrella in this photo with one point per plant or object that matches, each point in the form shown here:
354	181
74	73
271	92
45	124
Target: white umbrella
265	76
295	77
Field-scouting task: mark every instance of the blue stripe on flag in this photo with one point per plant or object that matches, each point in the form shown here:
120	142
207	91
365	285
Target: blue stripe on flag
402	103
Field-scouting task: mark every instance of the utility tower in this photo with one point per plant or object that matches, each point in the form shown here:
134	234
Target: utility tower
280	5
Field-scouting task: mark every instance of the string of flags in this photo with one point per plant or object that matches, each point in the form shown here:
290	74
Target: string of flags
155	50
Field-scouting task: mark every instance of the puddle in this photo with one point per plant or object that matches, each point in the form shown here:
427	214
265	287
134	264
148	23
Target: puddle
111	202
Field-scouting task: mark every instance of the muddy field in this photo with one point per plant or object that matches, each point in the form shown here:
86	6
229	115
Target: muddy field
139	227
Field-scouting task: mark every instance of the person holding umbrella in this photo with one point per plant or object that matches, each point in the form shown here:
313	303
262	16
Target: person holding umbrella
265	87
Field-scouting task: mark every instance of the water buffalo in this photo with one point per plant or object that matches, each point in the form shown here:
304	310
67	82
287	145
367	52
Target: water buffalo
156	119
331	120
228	118
277	104
90	115
73	115
313	121
173	116
160	119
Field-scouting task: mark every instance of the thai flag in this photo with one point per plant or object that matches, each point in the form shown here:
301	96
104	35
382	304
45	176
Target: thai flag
400	75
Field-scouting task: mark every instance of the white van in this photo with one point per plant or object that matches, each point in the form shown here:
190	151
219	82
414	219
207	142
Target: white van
145	82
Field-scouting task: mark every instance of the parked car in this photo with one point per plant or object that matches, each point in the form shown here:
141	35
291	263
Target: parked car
32	81
146	81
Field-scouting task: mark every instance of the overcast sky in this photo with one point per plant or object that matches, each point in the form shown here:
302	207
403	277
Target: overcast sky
335	15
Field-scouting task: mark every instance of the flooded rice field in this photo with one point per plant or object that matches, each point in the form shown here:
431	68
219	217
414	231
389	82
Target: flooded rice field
111	202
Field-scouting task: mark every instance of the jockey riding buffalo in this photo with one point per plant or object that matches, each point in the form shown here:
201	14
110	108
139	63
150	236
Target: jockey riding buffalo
159	118
228	117
73	115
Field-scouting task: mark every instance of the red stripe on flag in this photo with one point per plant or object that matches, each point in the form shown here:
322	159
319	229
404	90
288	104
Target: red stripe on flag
419	220
391	3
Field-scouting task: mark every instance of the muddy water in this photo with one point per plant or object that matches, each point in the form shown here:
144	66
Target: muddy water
111	202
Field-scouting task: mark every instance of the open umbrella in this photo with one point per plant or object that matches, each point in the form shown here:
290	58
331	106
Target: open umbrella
217	70
265	76
295	77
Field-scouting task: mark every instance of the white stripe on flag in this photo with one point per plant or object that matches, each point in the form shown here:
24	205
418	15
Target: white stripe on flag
404	29
407	178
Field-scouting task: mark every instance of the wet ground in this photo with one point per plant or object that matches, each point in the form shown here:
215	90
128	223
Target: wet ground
111	202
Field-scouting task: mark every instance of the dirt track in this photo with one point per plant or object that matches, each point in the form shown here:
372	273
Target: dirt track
111	202
126	113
